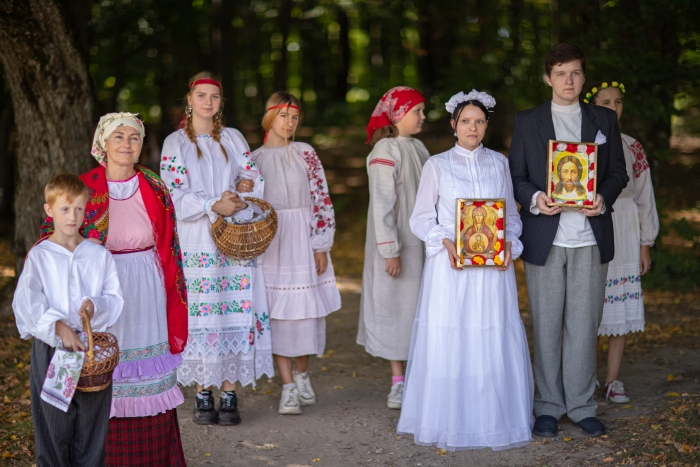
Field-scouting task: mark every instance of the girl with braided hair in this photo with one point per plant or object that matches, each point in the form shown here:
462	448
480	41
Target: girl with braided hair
229	339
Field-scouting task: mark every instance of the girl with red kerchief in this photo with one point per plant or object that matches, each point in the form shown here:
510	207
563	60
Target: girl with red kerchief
393	255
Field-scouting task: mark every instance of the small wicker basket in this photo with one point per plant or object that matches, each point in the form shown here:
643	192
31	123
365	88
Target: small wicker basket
246	241
102	357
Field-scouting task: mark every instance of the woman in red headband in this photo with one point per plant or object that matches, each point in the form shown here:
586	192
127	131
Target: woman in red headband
229	339
393	255
299	275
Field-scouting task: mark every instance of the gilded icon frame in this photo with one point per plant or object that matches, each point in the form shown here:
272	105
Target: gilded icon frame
584	193
494	220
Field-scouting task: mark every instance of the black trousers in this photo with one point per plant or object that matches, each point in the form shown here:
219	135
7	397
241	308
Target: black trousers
67	439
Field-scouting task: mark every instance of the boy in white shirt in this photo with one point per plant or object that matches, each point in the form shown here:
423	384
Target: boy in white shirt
65	279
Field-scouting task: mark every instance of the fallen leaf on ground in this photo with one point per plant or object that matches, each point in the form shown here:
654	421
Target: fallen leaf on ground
672	394
206	454
8	455
354	374
338	387
324	368
670	377
608	459
328	354
627	406
318	459
269	391
566	440
656	426
441	452
266	447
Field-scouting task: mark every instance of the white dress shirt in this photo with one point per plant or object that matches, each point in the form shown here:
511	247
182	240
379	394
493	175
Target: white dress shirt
574	228
55	282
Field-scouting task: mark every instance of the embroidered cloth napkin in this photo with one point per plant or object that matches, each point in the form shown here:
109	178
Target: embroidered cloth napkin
62	376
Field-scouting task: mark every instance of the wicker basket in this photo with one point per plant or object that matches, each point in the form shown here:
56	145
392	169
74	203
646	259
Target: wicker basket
102	358
246	241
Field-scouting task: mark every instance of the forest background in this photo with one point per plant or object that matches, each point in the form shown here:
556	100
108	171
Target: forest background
67	63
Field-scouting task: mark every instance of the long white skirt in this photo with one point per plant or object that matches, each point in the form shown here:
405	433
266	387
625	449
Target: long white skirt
469	380
623	311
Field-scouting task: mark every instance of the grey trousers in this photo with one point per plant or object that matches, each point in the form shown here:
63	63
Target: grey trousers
67	439
566	302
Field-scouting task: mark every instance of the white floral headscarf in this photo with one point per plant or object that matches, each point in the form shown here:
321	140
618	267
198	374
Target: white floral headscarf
108	123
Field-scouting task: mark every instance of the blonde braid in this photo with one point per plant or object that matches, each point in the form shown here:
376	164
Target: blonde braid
216	132
189	131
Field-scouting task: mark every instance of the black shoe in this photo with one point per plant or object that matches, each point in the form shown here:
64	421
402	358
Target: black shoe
228	409
546	426
204	412
591	426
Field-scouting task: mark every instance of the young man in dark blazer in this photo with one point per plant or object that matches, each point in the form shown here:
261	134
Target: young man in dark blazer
566	253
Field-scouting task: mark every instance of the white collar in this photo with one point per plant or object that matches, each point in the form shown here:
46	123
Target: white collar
123	189
566	109
466	152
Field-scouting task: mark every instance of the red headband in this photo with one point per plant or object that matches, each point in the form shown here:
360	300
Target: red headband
205	81
282	106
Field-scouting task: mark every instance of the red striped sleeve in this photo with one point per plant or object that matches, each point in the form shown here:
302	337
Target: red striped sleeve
387	162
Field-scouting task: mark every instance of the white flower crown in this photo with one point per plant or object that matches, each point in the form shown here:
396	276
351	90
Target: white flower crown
475	95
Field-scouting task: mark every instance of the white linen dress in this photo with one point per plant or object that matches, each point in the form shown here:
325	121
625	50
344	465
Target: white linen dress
469	381
229	326
635	223
298	298
388	305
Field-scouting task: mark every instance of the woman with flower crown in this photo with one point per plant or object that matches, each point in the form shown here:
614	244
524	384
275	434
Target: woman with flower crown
635	225
469	382
229	338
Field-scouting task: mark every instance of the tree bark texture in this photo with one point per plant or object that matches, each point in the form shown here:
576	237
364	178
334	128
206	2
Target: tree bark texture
52	100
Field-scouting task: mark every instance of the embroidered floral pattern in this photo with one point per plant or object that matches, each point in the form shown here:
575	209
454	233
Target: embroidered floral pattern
623	280
226	307
213	260
624	297
640	158
145	390
143	353
323	215
262	324
219	284
169	164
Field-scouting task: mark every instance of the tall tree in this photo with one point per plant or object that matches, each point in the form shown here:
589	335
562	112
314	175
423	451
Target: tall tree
52	100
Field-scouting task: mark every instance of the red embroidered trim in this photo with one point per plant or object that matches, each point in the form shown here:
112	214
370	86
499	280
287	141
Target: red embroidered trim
385	243
640	163
386	162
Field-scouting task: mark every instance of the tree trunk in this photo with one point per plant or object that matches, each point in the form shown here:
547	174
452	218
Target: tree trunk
52	99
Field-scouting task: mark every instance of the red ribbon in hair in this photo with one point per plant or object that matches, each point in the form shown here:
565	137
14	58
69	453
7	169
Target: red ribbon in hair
280	106
205	81
392	107
192	85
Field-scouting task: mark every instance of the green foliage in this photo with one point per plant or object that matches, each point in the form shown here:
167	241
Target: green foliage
675	268
341	56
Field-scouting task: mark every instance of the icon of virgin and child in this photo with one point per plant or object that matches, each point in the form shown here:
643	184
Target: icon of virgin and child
479	236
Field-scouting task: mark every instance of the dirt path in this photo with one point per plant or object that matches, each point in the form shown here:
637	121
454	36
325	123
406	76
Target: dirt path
351	425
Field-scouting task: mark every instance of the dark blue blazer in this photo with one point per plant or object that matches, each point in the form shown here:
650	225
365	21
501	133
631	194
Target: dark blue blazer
528	158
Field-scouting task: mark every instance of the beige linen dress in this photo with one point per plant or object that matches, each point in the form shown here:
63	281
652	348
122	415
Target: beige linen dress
388	305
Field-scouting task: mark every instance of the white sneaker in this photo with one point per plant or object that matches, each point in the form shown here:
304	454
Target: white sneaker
289	402
306	392
393	401
615	392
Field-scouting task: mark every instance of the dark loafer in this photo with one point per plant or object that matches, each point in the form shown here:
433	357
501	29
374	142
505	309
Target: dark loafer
546	426
591	426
